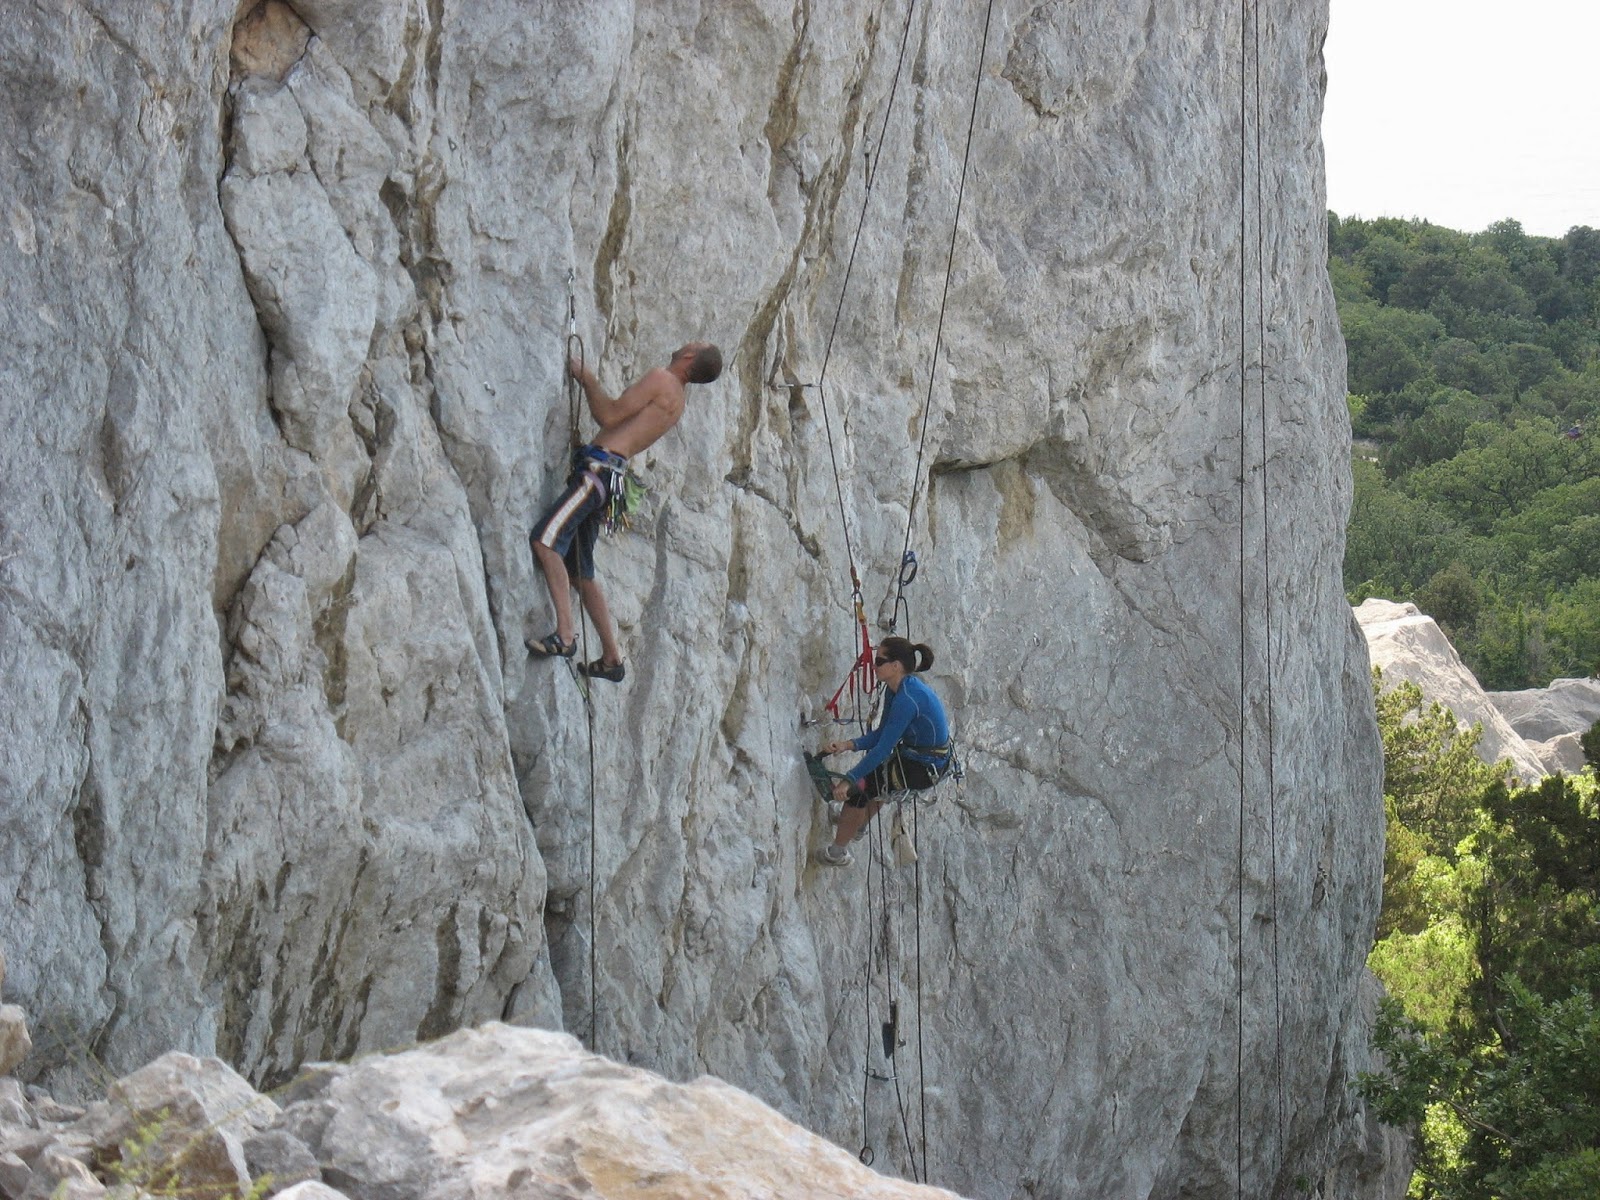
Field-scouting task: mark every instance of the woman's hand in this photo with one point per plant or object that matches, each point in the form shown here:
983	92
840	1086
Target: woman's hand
841	790
835	747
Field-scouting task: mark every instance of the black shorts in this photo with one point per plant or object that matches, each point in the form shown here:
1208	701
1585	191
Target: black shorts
897	775
571	525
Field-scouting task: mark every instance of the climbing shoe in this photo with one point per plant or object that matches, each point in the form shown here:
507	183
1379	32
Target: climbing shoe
834	856
601	669
552	646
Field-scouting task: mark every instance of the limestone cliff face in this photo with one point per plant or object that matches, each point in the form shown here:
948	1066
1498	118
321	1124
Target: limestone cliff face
283	393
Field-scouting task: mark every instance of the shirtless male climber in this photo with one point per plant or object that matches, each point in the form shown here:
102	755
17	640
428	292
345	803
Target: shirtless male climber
563	539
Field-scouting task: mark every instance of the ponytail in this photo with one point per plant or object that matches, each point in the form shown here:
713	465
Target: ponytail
914	658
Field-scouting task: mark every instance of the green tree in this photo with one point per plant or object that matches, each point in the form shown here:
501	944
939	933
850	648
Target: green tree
1591	746
1458	363
1383	261
1492	1037
1579	255
1483	483
1471	356
1394	541
1431	768
1383	350
1451	597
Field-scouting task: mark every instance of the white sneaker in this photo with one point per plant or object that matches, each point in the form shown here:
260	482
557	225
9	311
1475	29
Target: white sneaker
834	856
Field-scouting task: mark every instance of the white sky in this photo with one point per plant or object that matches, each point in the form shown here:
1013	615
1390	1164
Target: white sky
1465	112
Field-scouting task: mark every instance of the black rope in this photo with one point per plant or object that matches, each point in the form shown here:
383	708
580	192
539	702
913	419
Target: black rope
1238	1097
838	311
907	570
891	957
922	1074
574	390
944	299
1266	561
865	1154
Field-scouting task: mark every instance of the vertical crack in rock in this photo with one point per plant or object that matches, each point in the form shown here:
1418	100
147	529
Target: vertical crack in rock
323	1002
609	252
823	197
315	292
916	202
783	116
89	841
440	1018
415	211
328	630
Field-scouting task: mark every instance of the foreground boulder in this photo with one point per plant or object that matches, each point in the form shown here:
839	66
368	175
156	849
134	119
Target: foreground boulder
15	1044
487	1112
502	1111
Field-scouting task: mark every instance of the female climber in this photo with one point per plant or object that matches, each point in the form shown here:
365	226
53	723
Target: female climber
910	748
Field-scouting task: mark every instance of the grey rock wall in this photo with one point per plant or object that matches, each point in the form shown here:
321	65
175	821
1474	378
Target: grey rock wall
284	394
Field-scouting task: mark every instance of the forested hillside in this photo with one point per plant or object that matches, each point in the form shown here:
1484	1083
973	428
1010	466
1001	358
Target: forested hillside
1475	398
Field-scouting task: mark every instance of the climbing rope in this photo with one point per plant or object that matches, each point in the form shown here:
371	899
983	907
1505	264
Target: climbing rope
922	1074
575	352
938	337
862	679
1250	38
1238	1099
905	575
882	946
1266	566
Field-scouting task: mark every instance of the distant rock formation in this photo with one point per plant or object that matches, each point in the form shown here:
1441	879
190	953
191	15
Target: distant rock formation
1537	730
1553	719
483	1113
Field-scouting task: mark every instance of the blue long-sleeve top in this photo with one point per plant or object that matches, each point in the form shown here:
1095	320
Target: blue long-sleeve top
914	717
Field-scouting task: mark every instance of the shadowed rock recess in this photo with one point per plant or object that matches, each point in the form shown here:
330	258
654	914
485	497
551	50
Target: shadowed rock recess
283	392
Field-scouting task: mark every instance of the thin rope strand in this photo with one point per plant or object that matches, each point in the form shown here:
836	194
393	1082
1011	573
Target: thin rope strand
944	298
866	997
885	847
844	289
1266	566
922	1074
1238	1101
573	387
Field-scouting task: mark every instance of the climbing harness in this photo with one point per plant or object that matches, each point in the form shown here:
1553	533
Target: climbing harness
625	495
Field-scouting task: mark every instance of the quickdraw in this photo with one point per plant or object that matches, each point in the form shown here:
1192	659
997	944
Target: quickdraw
862	679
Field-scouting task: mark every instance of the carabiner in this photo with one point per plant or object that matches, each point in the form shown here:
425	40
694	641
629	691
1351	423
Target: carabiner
908	568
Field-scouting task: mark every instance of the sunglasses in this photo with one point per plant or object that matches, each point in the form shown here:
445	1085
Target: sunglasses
880	661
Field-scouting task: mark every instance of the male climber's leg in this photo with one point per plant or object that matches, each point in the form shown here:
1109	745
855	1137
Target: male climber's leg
557	533
594	603
559	583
